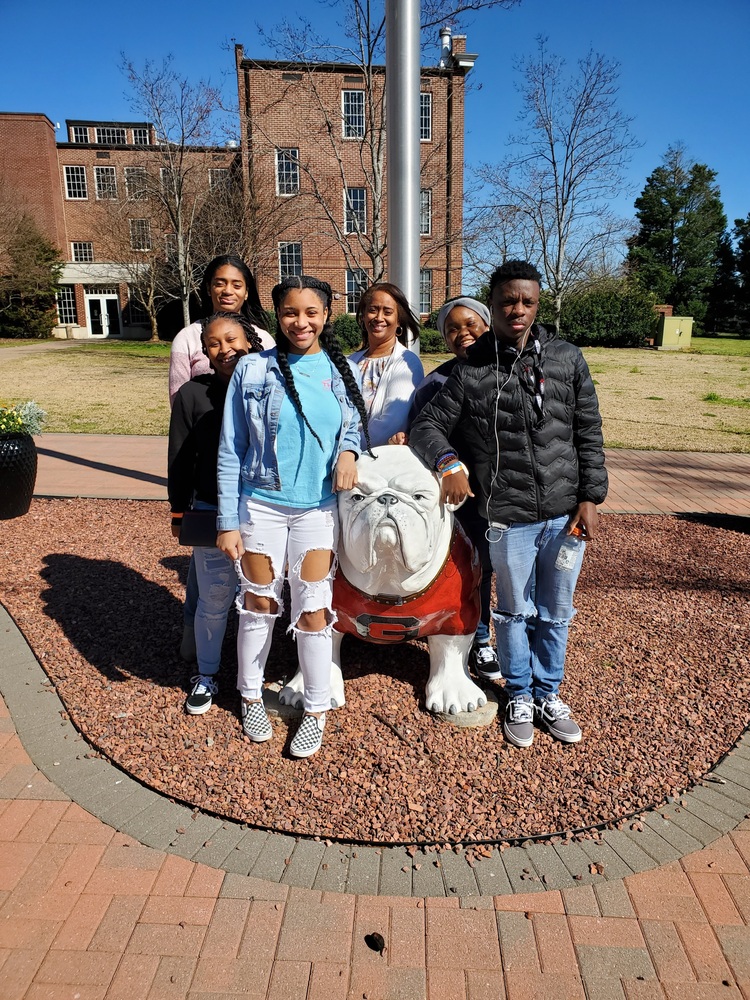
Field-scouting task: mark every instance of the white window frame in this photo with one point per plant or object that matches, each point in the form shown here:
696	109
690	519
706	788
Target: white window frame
139	175
141	136
425	116
425	212
219	178
355	216
108	189
166	179
110	135
78	131
425	290
291	249
138	240
75	179
356	284
67	310
82	251
348	129
287	171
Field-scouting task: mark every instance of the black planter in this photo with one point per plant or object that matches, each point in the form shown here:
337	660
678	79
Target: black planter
17	474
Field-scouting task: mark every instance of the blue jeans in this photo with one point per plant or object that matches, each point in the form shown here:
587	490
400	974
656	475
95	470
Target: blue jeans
534	605
475	527
216	588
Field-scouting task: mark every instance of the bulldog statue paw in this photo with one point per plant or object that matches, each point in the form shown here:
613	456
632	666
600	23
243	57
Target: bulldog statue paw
406	571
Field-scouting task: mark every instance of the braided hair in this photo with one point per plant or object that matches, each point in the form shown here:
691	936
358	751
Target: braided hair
328	343
242	321
251	308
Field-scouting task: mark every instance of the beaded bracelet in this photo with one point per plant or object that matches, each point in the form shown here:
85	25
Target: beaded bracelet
445	460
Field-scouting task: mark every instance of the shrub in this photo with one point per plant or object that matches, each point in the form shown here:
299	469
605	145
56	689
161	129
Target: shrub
611	314
347	330
431	342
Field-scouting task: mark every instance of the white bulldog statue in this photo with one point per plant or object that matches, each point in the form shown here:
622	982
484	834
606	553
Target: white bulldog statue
406	570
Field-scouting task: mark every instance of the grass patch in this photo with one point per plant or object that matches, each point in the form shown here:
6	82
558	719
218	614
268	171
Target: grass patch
734	347
714	397
655	397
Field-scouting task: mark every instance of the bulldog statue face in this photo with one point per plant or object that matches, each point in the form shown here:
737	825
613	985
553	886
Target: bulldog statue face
406	570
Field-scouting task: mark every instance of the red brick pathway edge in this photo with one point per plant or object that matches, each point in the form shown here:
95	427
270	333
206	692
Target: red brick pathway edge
86	912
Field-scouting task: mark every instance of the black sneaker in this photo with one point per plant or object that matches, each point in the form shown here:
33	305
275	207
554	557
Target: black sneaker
518	724
201	697
483	661
554	716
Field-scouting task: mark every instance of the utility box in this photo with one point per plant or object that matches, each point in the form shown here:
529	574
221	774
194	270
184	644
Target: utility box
673	333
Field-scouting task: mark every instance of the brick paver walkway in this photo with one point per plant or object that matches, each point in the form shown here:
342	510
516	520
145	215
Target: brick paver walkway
87	912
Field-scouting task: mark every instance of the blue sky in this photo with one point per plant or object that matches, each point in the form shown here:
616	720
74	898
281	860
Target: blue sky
684	72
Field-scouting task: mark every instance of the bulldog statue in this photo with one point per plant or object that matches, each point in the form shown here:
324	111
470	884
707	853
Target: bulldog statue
406	570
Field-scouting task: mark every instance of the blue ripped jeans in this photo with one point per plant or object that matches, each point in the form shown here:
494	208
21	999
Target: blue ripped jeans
217	585
534	605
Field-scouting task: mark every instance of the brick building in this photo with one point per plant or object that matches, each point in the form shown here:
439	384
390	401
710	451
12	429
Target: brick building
310	167
312	147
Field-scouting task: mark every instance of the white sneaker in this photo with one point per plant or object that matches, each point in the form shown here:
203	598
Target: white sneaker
309	737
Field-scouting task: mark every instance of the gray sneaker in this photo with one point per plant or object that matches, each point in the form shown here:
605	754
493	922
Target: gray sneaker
255	723
554	716
518	724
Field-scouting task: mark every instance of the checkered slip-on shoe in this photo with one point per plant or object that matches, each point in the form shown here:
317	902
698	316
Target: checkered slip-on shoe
309	737
255	722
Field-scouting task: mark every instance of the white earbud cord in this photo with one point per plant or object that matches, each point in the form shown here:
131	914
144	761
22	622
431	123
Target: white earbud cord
498	390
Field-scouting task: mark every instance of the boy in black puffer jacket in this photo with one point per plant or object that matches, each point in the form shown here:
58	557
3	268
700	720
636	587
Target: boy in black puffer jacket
528	414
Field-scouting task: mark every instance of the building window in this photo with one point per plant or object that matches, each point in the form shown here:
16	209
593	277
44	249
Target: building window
290	259
110	136
219	178
80	133
425	212
141	137
75	183
355	210
425	292
356	284
66	305
106	182
137	315
170	248
135	183
140	234
168	179
287	171
82	253
425	117
353	113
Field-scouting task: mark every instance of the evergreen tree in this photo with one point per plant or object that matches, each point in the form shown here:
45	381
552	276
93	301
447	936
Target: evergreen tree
742	257
27	288
681	217
721	316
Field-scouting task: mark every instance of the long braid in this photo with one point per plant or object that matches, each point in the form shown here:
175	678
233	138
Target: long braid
330	344
282	349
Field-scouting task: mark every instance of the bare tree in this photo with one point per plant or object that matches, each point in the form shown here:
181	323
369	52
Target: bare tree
185	118
548	201
363	48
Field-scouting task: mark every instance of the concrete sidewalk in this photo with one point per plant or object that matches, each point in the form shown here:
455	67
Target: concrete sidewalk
161	902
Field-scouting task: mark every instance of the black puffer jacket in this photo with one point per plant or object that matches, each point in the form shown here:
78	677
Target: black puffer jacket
523	468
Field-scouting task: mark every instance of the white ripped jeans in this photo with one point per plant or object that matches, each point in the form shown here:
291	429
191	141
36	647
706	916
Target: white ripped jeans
285	535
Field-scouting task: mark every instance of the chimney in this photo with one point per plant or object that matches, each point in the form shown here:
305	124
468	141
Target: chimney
445	48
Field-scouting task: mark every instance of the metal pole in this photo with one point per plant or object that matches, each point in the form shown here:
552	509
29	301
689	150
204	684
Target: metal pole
402	62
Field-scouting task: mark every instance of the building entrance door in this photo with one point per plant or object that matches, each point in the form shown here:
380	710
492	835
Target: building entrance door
103	314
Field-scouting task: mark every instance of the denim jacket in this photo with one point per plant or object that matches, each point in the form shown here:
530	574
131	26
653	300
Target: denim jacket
247	449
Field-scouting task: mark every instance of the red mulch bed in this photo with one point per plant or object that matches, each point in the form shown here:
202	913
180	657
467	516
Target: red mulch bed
658	675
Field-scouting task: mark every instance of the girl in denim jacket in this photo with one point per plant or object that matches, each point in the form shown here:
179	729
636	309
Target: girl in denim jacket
278	477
